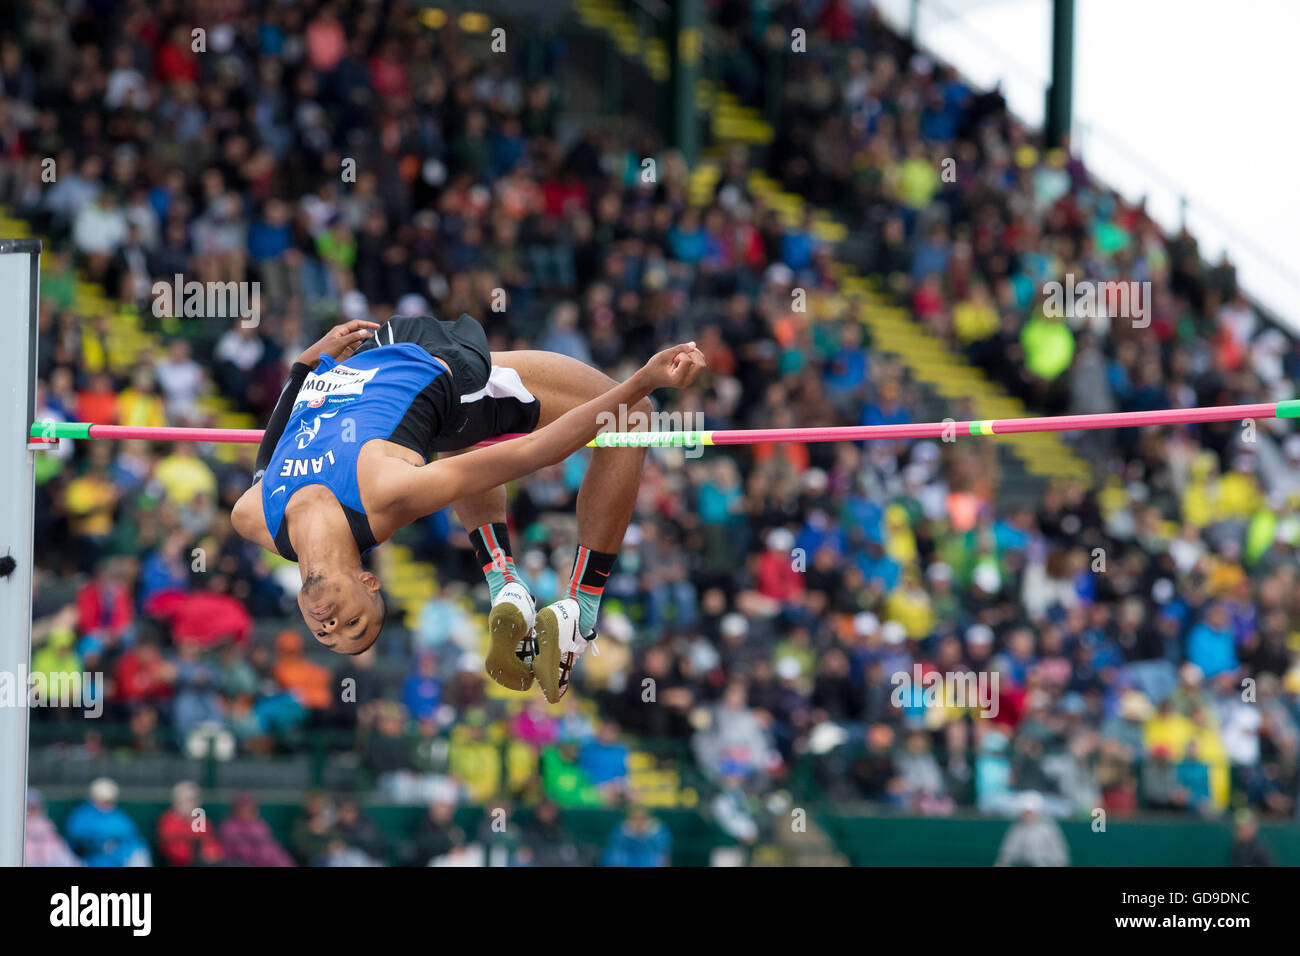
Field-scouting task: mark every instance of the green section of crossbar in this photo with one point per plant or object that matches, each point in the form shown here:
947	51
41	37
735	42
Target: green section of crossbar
651	439
1289	408
60	430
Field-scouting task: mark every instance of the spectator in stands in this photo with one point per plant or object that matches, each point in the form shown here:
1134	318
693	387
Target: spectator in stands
387	753
246	839
547	841
422	691
310	683
140	404
1035	840
42	844
921	780
499	835
443	619
98	229
91	500
473	759
197	703
313	830
640	840
104	608
143	674
56	662
184	838
1247	847
604	759
735	736
166	568
360	833
1210	645
182	381
101	833
184	476
438	839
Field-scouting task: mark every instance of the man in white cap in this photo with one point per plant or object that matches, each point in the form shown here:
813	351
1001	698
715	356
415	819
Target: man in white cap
101	833
1036	840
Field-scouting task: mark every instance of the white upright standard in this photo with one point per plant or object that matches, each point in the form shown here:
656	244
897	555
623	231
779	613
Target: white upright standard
20	264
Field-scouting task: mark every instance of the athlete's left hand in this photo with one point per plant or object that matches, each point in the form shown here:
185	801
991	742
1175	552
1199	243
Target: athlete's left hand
339	342
675	367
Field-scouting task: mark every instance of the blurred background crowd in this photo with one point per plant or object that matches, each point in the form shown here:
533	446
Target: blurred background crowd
363	159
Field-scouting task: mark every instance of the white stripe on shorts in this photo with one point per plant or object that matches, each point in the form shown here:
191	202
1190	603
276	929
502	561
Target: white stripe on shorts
501	383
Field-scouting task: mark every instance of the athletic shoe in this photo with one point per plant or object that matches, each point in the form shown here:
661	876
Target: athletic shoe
558	647
510	653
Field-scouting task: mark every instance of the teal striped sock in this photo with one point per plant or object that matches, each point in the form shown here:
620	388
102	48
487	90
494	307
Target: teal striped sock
492	550
591	570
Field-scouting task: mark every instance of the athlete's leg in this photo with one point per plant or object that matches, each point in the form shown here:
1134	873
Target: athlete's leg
510	622
607	497
462	347
482	511
606	501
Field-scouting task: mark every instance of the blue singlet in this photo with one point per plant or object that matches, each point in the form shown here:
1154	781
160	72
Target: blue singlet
338	409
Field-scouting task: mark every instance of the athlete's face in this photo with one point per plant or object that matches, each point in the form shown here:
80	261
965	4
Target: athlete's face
342	609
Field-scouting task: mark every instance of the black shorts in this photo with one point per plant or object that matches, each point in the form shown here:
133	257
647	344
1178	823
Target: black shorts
478	401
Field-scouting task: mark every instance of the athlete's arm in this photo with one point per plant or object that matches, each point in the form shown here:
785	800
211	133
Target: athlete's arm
249	520
279	418
416	492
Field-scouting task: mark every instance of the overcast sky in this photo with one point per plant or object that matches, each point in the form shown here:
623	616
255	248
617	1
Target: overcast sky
1172	97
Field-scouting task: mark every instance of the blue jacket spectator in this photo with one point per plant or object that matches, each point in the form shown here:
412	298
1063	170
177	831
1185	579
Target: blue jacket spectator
422	691
1210	645
604	760
640	840
103	835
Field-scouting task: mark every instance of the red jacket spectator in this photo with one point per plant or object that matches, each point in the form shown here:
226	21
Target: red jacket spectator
98	402
388	75
175	62
837	20
562	196
777	578
205	616
181	845
142	674
103	609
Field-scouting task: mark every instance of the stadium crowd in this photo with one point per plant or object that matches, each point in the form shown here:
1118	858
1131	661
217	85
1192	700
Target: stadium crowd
771	595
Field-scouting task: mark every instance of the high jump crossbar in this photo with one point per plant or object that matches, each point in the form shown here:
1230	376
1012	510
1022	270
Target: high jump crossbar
950	429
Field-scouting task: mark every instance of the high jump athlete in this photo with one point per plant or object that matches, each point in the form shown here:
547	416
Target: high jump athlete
375	429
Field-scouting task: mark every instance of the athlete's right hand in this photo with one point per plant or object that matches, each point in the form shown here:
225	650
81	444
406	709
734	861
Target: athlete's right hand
339	342
674	367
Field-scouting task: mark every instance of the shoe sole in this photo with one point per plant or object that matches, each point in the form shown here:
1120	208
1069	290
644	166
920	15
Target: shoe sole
546	665
506	628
